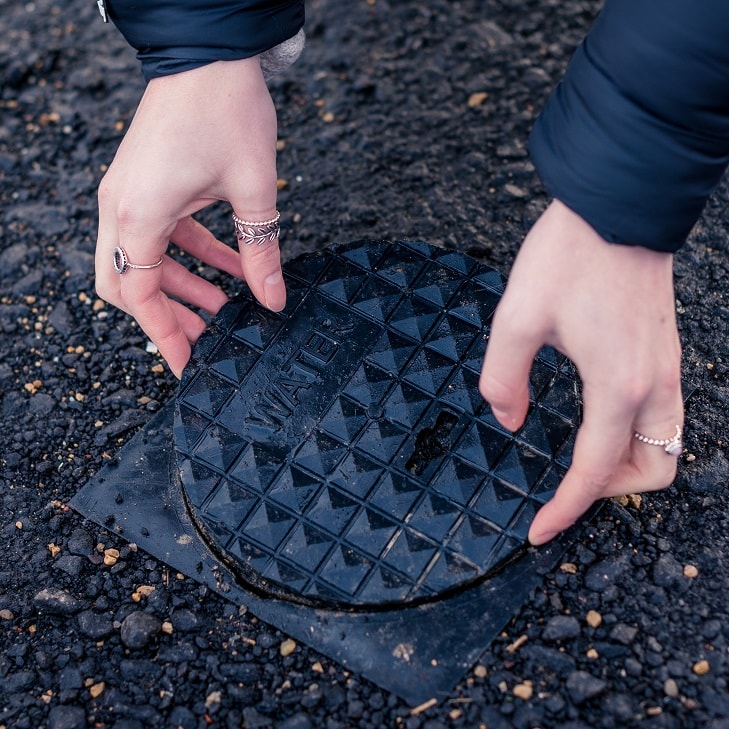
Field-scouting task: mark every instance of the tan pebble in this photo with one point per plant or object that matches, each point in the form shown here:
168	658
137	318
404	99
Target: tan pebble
33	629
592	654
518	643
280	145
524	690
455	714
144	400
635	500
54	549
18	524
6	615
167	627
670	688
569	568
99	305
146	590
213	699
690	457
701	668
328	117
287	647
281	184
158	369
420	709
30	387
622	500
480	671
97	689
111	557
593	619
654	711
477	99
691	571
503	686
317	667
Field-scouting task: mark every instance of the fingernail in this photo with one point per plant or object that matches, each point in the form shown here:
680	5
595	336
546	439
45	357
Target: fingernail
536	540
274	293
503	417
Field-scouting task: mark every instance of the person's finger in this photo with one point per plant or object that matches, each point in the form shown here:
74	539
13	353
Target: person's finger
143	298
504	381
179	282
608	460
602	442
194	238
261	265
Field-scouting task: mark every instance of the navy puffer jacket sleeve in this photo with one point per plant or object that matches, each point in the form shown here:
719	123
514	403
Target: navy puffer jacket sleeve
178	35
636	136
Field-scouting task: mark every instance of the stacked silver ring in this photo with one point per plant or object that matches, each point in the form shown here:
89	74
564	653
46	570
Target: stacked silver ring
249	232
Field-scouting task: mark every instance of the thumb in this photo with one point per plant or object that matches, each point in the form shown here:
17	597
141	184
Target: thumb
504	381
260	259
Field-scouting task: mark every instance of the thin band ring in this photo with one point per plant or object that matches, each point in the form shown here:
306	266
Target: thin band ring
672	446
122	264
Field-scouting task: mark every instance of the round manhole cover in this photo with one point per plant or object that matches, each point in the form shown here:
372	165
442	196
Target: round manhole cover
339	452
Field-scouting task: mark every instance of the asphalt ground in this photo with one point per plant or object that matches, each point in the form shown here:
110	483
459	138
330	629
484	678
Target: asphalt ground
403	120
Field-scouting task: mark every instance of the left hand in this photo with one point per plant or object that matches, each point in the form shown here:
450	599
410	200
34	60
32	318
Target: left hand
609	308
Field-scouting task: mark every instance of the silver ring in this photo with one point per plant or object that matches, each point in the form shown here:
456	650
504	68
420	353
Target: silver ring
249	232
672	446
121	262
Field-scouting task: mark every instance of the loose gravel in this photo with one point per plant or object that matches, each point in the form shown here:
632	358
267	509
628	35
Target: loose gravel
403	119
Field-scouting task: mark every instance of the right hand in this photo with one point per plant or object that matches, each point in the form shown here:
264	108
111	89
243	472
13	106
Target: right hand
198	137
610	308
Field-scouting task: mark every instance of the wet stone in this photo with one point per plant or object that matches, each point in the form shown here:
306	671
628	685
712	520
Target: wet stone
56	602
624	634
184	620
254	720
139	629
297	721
602	575
20	681
182	718
667	571
69	563
93	625
67	717
561	627
583	686
80	542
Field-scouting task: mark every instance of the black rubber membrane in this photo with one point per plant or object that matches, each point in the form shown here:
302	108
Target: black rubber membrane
335	469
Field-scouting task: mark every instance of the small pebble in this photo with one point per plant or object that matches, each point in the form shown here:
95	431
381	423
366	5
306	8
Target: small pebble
690	571
561	627
287	647
701	668
524	690
670	688
138	629
593	619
